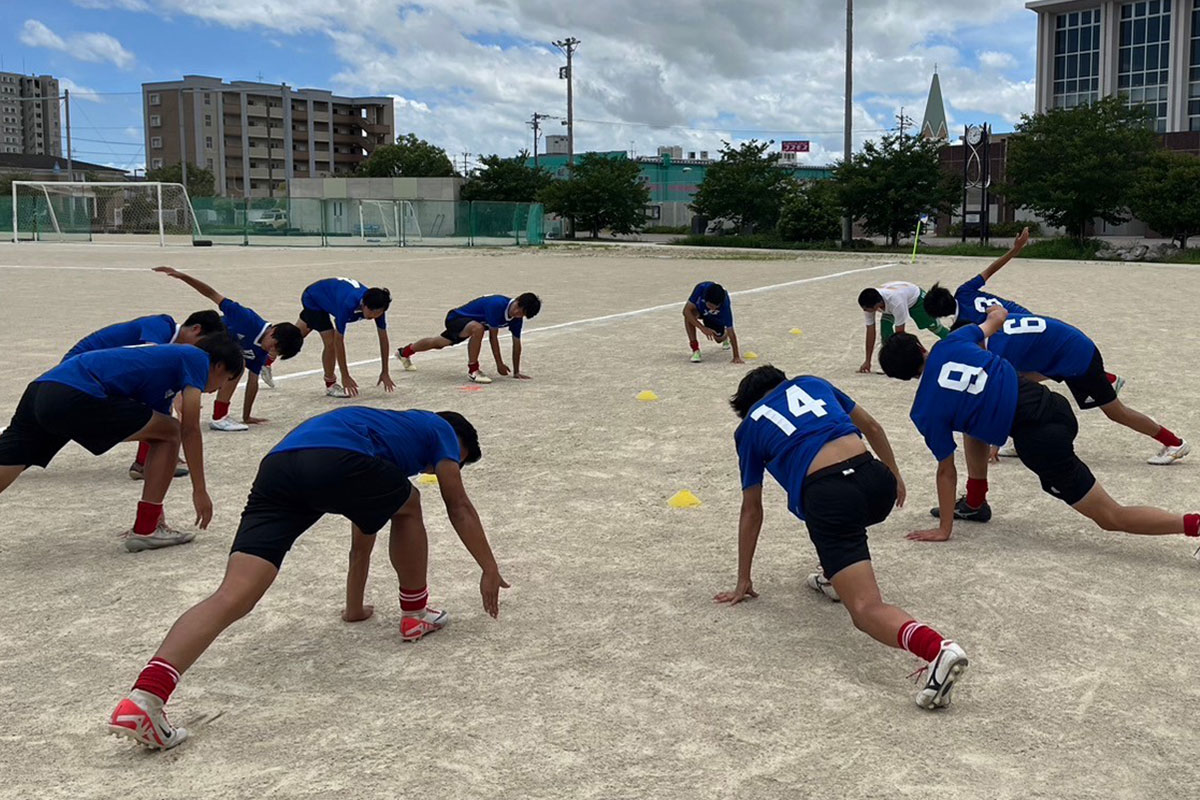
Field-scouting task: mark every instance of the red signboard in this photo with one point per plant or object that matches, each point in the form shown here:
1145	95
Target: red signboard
795	146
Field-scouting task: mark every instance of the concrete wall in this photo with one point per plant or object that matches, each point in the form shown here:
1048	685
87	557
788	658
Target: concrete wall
377	188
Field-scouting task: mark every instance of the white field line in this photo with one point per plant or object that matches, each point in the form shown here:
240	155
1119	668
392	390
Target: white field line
619	316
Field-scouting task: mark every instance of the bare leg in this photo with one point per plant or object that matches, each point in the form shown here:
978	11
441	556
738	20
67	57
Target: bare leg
225	393
976	453
690	327
163	436
475	330
1131	418
408	545
304	329
247	579
328	354
430	343
860	595
1098	506
8	475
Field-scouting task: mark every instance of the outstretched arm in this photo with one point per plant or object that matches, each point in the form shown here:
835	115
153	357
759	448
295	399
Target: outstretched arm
356	577
692	315
947	484
466	524
866	365
733	343
995	320
197	284
877	438
749	526
494	341
193	451
385	353
1017	247
516	356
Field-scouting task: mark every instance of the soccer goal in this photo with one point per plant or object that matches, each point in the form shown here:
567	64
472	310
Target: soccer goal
379	222
68	211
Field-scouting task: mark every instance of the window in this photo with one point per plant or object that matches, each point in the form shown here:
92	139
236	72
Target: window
156	163
156	142
1194	71
207	99
1076	58
208	120
155	99
1143	57
208	142
155	121
210	165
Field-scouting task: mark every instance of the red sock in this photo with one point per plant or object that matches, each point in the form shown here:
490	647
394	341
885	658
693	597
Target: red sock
159	678
330	382
695	346
143	451
220	409
473	366
412	601
407	352
147	517
919	639
1167	438
976	492
270	361
1111	378
1191	524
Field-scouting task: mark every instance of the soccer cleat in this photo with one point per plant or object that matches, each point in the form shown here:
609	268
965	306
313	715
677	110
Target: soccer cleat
404	361
1169	455
1118	384
163	536
695	356
266	377
137	471
818	583
430	620
1009	450
228	424
941	675
965	512
725	344
141	717
336	390
479	377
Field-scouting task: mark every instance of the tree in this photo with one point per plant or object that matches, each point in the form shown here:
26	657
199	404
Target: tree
506	179
744	187
889	184
1166	195
409	157
1071	166
200	182
601	192
812	213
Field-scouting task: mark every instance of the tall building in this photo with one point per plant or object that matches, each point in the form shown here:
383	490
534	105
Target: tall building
1147	52
257	136
934	125
29	116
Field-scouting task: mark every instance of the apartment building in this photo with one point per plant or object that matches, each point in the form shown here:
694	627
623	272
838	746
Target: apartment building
29	115
255	137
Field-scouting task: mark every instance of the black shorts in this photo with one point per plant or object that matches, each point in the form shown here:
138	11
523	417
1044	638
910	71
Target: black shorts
454	327
1092	389
295	488
1043	431
714	324
840	503
51	414
319	321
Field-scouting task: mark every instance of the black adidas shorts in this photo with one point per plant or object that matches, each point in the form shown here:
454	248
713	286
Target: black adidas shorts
51	414
1043	431
454	327
295	488
1092	389
840	503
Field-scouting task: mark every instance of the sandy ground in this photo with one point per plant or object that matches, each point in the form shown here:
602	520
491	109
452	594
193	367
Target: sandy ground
610	673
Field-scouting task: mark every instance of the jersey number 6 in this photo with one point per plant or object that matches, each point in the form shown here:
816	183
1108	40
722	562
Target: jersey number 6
800	403
1024	325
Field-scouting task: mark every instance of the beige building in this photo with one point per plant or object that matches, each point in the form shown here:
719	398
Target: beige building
255	137
29	115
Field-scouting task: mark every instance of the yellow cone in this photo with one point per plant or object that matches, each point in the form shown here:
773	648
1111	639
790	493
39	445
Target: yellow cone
795	331
427	480
750	356
647	396
684	499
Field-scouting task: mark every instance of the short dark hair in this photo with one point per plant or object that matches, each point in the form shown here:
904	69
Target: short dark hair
869	298
939	302
468	437
377	298
755	385
223	350
209	321
288	339
902	356
530	303
715	294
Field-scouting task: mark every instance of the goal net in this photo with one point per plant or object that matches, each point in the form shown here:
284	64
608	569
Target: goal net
65	211
378	222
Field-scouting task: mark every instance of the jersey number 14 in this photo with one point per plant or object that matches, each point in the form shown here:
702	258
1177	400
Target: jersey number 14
799	403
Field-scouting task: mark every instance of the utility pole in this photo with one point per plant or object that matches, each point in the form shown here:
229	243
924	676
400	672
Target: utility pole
537	127
67	104
903	121
847	132
567	47
270	166
465	157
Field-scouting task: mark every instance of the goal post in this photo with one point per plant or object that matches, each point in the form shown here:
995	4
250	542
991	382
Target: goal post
103	211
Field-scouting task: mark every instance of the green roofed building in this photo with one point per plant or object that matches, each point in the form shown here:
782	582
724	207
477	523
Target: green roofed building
934	125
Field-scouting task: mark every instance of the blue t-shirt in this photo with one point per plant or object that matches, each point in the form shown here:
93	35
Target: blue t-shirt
491	310
973	303
150	375
723	315
154	329
412	440
1043	344
967	389
248	328
341	298
786	429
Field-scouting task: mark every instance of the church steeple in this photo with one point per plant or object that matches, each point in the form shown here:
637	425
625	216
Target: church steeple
934	125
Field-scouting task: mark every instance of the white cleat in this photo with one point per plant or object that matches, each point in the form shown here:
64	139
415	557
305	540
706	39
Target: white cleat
228	424
479	377
818	583
140	716
1118	384
266	377
405	362
162	536
427	622
1169	455
1009	450
945	670
336	391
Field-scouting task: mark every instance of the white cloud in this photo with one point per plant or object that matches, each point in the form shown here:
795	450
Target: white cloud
92	47
125	5
997	60
79	92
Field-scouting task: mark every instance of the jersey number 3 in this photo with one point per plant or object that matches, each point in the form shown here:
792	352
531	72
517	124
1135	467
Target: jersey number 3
799	402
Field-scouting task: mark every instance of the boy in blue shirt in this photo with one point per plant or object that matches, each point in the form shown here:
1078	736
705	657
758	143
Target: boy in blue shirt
260	341
329	305
468	322
355	462
808	435
970	303
152	329
709	311
101	398
967	389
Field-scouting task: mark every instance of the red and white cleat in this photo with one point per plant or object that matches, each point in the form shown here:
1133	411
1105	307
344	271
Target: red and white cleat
141	717
430	620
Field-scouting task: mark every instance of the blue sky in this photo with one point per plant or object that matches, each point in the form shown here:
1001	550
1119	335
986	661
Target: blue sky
467	74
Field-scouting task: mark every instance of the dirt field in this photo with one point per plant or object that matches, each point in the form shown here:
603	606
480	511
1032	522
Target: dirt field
610	673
